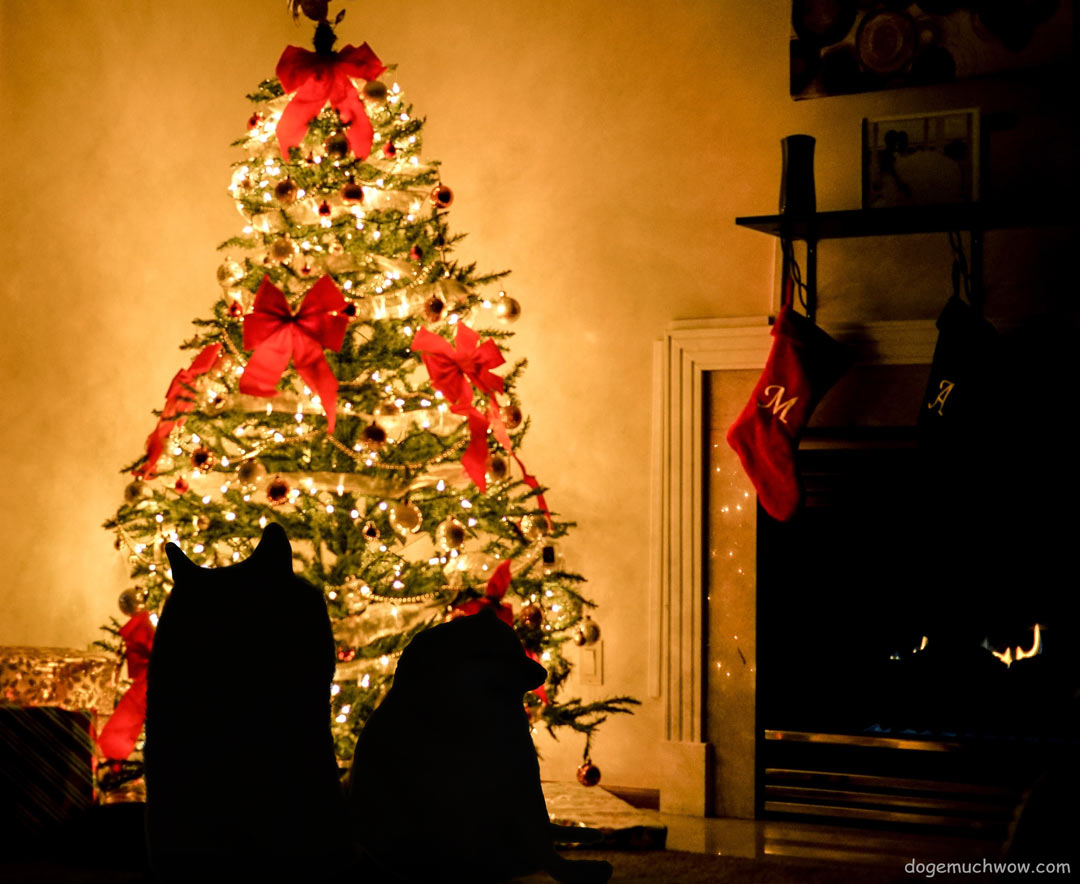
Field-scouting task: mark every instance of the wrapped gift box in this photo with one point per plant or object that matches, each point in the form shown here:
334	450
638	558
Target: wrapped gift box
52	701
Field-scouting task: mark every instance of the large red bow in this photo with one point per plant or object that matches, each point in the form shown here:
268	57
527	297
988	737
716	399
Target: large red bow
120	733
276	334
454	372
178	401
317	79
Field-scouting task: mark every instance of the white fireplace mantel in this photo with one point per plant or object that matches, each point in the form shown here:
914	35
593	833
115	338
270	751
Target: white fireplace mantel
677	591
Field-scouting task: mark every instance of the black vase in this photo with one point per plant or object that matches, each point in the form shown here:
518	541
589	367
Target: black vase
797	175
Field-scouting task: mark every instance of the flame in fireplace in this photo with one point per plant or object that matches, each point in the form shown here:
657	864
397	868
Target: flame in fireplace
1008	657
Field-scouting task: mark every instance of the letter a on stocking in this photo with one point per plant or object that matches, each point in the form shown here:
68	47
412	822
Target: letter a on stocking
803	363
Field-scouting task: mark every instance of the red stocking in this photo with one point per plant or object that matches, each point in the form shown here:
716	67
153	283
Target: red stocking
803	364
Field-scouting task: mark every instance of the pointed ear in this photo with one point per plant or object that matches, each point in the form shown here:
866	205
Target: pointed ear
274	549
182	567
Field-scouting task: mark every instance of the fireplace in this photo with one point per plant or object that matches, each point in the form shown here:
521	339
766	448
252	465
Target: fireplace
901	653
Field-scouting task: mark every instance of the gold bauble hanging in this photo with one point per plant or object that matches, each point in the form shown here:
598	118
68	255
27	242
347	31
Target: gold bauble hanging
251	472
531	615
282	250
285	191
373	437
511	415
136	491
534	526
229	274
337	146
507	309
370	531
450	534
277	492
130	602
442	196
497	468
375	90
405	518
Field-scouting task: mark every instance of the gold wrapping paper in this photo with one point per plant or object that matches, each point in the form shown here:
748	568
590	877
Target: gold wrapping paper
62	677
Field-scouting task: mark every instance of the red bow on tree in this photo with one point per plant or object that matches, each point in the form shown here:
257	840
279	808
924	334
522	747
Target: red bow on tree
178	401
276	334
317	79
120	733
493	597
454	372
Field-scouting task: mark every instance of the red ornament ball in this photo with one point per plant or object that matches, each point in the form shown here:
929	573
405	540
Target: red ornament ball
442	196
254	120
324	209
181	485
588	774
202	459
345	655
389	150
415	254
235	308
277	492
433	309
531	615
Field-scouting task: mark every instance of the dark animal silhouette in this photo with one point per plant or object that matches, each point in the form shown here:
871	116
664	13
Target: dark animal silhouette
445	783
242	784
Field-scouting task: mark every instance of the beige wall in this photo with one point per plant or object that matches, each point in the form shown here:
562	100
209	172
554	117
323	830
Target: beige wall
600	150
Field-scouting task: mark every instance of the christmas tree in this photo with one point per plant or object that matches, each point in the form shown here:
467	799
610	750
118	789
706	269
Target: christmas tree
350	384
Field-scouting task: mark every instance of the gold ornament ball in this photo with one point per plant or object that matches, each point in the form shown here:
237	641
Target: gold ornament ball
512	416
588	631
370	531
130	602
373	437
337	146
450	534
497	468
285	191
433	308
251	472
281	250
531	615
405	518
136	491
533	526
375	90
507	309
387	409
202	459
352	192
588	774
229	274
202	523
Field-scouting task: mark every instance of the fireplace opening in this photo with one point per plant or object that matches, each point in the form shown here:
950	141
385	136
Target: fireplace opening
916	635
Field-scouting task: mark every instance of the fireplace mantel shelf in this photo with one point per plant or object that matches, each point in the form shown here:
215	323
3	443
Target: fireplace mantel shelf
900	220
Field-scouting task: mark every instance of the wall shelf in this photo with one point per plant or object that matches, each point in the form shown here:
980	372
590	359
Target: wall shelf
901	220
974	218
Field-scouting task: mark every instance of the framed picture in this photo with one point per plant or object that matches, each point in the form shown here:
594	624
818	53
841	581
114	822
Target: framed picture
845	46
925	159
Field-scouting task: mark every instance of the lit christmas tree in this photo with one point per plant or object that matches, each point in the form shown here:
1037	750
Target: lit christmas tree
345	386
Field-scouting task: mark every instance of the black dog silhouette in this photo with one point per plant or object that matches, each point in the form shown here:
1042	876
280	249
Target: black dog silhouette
445	783
241	779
